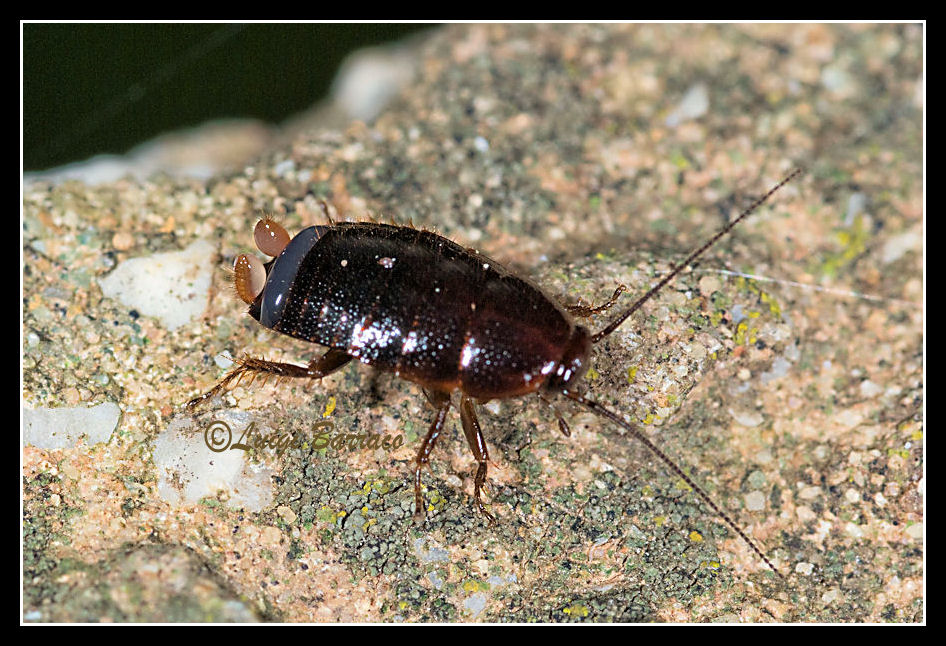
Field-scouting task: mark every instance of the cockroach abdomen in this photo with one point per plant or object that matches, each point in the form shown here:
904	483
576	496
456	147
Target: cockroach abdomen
282	275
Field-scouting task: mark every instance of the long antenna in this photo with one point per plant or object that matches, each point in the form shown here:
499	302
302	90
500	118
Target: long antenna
693	256
598	409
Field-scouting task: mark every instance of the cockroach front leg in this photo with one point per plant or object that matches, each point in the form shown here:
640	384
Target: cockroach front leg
325	365
442	402
562	424
584	311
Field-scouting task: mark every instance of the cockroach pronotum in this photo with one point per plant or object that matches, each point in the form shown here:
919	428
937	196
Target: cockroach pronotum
411	302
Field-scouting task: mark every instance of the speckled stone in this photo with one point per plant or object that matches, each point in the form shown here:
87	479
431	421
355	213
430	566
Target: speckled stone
549	149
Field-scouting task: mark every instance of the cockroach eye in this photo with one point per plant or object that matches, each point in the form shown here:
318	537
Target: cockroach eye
270	238
250	277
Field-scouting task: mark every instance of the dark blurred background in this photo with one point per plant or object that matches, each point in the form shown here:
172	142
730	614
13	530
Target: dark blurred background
103	88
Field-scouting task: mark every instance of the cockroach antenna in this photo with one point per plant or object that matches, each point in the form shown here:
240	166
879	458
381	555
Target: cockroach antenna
693	256
600	410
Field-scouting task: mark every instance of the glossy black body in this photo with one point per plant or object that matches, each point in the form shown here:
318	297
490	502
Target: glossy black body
416	304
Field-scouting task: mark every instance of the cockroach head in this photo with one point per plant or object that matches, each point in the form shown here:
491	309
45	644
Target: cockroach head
574	363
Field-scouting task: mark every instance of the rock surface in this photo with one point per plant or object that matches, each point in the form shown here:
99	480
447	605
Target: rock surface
551	149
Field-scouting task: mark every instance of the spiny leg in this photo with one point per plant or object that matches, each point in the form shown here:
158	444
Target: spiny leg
325	365
442	402
474	437
584	311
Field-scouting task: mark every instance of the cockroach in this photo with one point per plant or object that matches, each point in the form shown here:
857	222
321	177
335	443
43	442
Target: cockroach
448	318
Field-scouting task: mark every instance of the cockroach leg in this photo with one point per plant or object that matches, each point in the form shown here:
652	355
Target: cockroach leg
325	365
474	437
562	424
442	401
431	396
584	311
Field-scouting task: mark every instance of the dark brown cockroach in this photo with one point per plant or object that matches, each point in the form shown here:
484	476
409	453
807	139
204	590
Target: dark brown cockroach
445	317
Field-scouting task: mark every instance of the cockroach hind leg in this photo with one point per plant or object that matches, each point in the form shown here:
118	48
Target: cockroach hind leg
325	365
223	385
442	402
